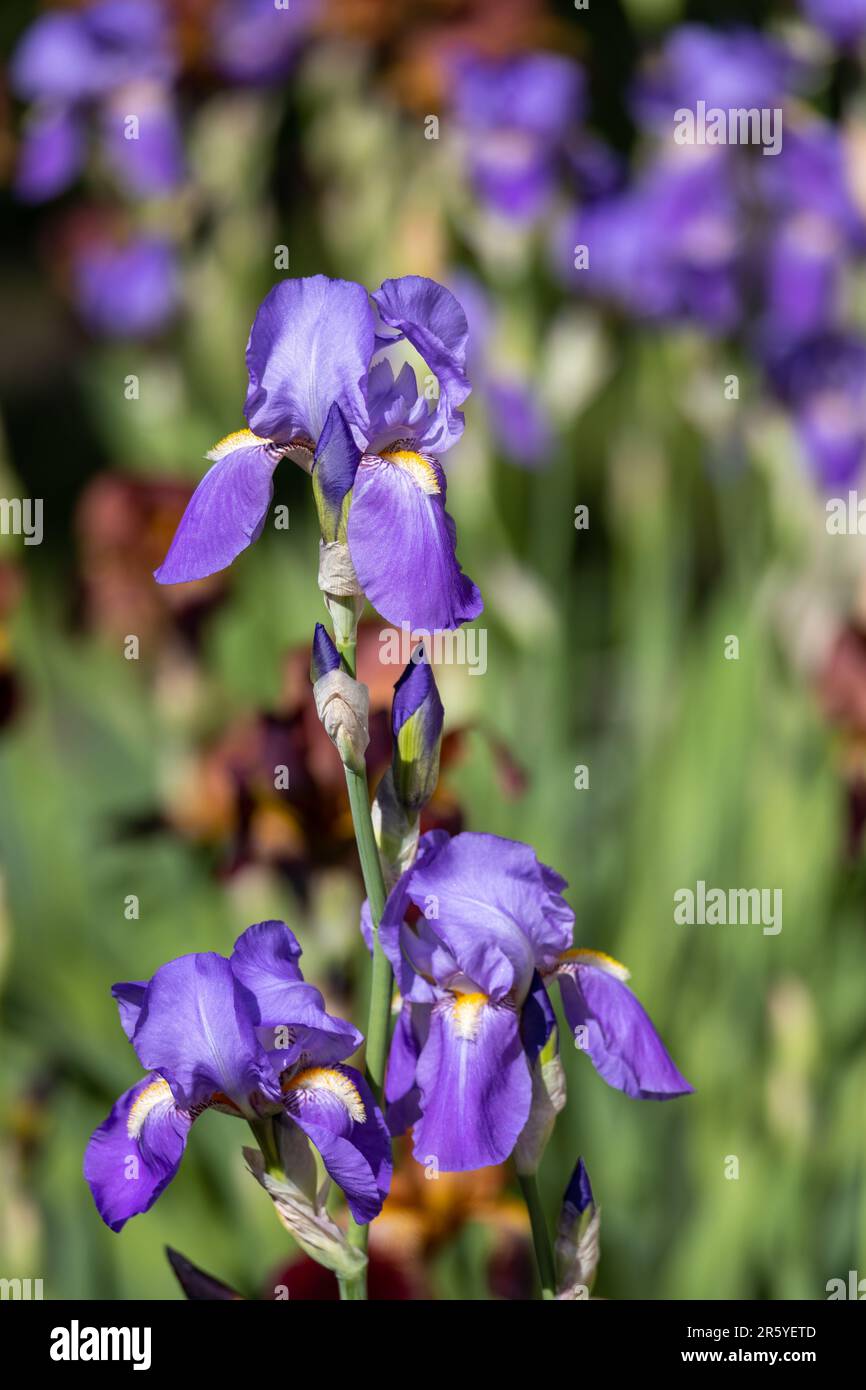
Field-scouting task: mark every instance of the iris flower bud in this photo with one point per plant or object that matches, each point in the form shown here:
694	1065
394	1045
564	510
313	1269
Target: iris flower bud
416	723
342	703
577	1238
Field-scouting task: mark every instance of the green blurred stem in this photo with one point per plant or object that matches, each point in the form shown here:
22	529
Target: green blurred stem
540	1235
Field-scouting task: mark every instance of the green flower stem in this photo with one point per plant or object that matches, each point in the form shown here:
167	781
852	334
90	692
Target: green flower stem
348	651
540	1235
379	1022
353	1290
379	1018
266	1139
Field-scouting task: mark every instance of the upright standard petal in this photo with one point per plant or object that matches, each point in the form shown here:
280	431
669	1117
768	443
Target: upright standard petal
135	1153
335	1108
197	1032
475	1085
310	346
227	511
617	1033
289	1014
431	319
403	544
130	996
501	912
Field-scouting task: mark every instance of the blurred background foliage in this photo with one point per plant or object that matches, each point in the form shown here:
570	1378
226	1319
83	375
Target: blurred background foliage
152	777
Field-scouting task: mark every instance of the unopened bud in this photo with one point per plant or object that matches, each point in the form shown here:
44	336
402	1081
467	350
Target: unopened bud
577	1238
342	703
416	723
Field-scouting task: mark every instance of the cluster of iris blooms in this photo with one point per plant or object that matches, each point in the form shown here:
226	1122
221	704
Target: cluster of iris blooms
472	929
742	248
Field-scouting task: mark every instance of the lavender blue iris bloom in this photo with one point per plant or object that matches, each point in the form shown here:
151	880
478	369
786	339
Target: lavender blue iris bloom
322	392
130	290
255	41
516	114
98	66
814	363
249	1037
472	970
667	248
822	381
723	68
844	21
818	228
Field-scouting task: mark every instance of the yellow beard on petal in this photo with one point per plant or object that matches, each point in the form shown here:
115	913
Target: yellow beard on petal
582	954
419	469
156	1094
466	1013
240	439
339	1085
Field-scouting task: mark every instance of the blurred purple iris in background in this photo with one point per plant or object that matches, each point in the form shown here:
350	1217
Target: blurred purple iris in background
249	1037
731	242
471	968
323	391
110	67
256	41
126	289
723	68
666	248
844	21
516	114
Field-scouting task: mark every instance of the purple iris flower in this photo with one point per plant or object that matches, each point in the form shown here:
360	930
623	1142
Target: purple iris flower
731	68
668	247
516	114
103	64
471	968
843	20
323	391
822	382
249	1037
126	290
255	41
818	228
